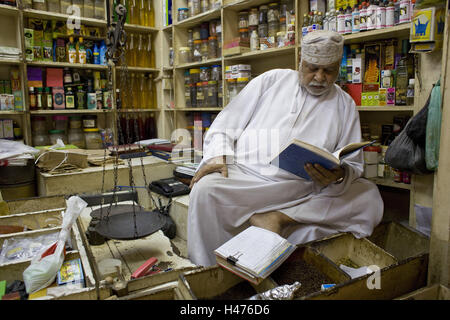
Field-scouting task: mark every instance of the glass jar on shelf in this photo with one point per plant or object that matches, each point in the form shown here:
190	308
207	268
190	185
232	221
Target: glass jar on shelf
195	75
273	28
205	73
200	95
183	14
60	122
263	31
56	134
184	55
253	17
193	94
204	49
243	34
273	12
40	139
204	31
40	5
197	54
212	94
194	7
231	89
262	19
243	19
76	137
187	95
204	5
240	84
93	138
75	122
216	72
196	35
187	77
212	47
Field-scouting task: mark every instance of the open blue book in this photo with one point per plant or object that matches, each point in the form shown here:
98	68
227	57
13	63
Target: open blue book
296	154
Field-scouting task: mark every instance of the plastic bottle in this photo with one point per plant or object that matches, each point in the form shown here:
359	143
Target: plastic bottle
411	9
341	21
332	22
371	16
310	22
396	12
254	41
143	13
134	11
150	53
363	17
326	21
305	25
401	82
381	16
103	53
71	51
81	51
355	19
151	13
390	14
96	54
348	20
141	52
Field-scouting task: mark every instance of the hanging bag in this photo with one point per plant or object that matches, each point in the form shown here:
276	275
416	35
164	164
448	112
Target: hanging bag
433	131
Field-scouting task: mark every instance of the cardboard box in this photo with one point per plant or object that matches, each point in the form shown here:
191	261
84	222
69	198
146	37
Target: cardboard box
382	96
58	98
18	101
355	91
240	67
423	25
390	96
372	65
356	70
267	43
71	272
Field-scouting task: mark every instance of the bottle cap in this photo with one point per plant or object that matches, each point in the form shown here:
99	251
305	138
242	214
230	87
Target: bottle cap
411	81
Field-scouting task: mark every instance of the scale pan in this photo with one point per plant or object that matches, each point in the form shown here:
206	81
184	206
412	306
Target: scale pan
115	209
121	226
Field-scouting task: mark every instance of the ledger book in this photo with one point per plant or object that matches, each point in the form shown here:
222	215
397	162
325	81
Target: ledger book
254	253
297	153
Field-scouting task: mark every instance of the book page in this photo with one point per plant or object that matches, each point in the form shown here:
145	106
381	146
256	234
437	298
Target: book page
352	147
252	248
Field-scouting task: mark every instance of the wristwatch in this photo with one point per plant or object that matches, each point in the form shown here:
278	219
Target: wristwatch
339	180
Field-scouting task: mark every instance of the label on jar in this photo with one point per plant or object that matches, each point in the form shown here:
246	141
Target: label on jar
70	102
89	123
200	96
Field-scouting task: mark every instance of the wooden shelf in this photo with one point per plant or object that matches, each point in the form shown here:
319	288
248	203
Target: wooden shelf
138	110
139	28
31	13
68	111
385	108
8	10
199	64
238	5
67	64
138	69
10	61
197	109
259	54
390	183
196	20
167	28
398	31
11	112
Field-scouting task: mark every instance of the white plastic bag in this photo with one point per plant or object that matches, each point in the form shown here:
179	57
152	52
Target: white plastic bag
12	149
46	264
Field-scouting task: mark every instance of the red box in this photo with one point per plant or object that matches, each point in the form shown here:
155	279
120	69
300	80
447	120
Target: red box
354	90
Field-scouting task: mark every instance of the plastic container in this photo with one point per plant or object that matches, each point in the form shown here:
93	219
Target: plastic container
231	89
205	74
89	121
76	137
216	72
195	75
41	139
38	124
184	55
56	134
197	54
93	138
183	13
204	49
212	47
75	122
194	7
60	122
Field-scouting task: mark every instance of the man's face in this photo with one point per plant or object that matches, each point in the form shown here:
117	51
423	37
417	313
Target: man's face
318	79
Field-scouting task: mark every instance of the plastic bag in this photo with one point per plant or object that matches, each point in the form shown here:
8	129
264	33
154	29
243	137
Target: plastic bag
433	132
45	265
11	149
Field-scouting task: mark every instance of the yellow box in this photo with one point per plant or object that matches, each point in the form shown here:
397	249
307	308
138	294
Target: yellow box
423	25
382	96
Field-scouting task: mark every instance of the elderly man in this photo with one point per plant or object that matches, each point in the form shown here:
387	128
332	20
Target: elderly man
236	186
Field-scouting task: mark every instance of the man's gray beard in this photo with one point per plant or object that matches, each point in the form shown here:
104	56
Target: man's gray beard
310	90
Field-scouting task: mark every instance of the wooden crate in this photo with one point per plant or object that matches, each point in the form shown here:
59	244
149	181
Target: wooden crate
46	222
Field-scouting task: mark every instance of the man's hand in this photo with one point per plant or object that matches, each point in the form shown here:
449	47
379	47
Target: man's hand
323	176
217	164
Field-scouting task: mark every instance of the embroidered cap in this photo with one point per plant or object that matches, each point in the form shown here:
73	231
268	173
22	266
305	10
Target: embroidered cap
322	47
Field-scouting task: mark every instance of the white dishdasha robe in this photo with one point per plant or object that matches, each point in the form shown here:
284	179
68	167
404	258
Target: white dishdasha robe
267	114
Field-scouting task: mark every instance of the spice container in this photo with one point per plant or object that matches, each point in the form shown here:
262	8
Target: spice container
194	7
243	19
200	95
253	17
273	14
231	89
212	94
89	121
56	134
40	5
212	47
76	137
93	138
204	5
216	72
183	13
197	55
184	55
204	49
60	122
205	74
195	75
75	122
240	84
39	99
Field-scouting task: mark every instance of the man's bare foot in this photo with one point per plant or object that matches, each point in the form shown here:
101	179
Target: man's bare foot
273	221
